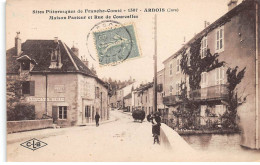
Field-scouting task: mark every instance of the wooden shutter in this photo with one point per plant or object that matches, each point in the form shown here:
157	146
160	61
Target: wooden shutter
55	113
32	88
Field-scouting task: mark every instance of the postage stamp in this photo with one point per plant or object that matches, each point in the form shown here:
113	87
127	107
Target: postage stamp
116	44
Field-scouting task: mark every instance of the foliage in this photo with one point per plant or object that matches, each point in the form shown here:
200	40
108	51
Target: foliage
234	78
197	64
14	91
188	110
21	111
115	85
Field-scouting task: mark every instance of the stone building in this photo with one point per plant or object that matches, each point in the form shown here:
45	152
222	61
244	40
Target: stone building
234	37
57	82
128	102
144	96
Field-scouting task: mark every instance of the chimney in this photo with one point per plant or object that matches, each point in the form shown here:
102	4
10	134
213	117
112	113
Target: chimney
75	50
85	62
184	40
232	4
18	44
206	24
56	39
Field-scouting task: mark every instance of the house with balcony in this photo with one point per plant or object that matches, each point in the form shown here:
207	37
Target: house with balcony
233	39
57	82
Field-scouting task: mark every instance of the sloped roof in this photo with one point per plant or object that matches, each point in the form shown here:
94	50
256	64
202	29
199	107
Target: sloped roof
40	52
144	87
128	96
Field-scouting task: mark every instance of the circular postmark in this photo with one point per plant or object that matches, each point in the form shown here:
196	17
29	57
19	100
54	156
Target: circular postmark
113	42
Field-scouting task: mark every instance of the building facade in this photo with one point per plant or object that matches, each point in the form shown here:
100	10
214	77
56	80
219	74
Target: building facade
234	37
57	82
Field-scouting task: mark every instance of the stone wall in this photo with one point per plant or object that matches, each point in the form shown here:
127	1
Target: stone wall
26	125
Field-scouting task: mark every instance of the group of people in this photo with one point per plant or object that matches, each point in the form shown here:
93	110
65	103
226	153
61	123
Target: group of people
155	125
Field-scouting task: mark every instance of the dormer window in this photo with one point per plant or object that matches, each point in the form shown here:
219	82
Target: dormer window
55	59
54	56
25	65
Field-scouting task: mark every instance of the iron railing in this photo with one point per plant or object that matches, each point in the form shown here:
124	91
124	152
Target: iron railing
208	93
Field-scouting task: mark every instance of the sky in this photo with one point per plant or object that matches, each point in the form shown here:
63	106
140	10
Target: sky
172	27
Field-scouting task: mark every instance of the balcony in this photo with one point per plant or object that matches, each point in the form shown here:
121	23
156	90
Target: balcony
218	92
171	100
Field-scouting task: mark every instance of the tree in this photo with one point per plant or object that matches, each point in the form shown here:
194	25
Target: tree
15	109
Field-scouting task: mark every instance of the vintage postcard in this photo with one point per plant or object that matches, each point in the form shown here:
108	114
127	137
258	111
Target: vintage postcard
132	81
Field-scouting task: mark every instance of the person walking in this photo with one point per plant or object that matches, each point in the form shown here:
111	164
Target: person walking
148	117
97	119
156	127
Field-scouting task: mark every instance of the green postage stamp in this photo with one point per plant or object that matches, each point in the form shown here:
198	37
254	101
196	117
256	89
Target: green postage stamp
116	44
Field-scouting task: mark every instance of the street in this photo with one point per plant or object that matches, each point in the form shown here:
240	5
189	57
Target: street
120	140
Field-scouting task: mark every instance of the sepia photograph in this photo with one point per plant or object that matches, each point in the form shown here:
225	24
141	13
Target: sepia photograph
132	81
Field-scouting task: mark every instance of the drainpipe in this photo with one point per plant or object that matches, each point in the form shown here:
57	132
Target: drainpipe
46	93
101	105
257	92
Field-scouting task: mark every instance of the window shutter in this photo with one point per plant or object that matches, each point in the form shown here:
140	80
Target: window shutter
32	88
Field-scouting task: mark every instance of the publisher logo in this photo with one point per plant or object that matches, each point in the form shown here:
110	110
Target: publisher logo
33	144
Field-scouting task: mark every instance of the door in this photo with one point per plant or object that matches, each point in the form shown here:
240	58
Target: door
93	113
55	114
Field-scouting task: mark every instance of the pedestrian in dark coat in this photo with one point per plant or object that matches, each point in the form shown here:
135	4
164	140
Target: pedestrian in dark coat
148	117
156	128
97	119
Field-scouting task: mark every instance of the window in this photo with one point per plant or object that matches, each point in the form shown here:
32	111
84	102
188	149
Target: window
54	55
188	56
97	92
204	79
170	69
220	109
188	62
171	89
25	65
203	47
63	112
87	111
220	76
178	65
220	39
188	83
178	88
28	88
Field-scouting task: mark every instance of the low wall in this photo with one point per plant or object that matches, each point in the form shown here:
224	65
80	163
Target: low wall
26	125
171	139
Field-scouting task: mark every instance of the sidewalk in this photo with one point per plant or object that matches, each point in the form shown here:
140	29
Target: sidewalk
44	133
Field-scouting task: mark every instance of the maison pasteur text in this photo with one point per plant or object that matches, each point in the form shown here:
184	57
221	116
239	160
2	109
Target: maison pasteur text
92	17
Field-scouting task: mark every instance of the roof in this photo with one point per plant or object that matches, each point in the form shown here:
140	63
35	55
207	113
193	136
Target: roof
246	4
128	96
144	87
40	52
